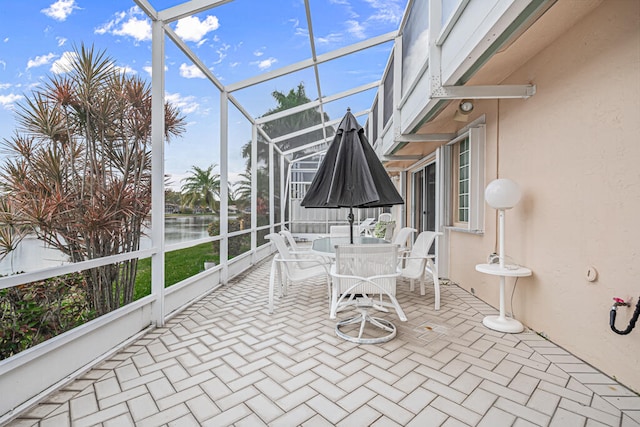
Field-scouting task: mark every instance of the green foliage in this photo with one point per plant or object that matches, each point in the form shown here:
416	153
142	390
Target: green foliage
77	173
201	188
34	312
179	265
237	244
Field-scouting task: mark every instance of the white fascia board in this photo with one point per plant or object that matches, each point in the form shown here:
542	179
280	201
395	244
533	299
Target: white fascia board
188	8
374	41
484	92
316	103
476	30
426	137
393	158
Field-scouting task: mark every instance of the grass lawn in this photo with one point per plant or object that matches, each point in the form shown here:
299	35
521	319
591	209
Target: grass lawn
179	265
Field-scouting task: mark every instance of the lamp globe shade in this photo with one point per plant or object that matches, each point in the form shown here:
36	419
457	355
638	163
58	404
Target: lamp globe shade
502	194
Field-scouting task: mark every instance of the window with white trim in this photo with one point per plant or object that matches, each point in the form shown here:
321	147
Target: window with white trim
466	179
462	159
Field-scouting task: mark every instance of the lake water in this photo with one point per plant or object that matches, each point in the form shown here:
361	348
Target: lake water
32	255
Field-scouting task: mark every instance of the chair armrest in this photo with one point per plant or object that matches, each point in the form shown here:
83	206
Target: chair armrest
417	257
303	264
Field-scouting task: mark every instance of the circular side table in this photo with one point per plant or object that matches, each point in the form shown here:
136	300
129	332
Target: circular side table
502	323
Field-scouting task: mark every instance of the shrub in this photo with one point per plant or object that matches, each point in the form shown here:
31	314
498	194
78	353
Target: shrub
34	312
237	244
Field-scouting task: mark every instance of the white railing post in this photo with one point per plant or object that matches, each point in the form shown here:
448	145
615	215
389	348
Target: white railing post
224	187
157	170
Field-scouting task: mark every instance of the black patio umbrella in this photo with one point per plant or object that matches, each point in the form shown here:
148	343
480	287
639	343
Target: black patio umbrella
351	175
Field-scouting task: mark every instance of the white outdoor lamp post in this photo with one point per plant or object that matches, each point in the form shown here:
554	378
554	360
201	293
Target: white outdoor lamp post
502	194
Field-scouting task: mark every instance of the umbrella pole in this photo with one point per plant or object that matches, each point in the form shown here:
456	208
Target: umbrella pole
350	218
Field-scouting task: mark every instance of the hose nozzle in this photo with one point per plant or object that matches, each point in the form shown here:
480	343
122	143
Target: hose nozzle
618	302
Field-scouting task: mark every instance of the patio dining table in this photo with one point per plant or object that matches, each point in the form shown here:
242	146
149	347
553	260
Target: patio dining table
326	246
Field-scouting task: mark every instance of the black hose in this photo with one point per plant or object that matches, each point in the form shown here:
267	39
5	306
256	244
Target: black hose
632	323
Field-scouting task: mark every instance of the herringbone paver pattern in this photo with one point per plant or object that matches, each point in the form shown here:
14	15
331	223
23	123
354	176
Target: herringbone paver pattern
225	361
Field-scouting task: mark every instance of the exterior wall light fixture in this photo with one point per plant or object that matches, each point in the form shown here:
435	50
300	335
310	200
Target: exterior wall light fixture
464	109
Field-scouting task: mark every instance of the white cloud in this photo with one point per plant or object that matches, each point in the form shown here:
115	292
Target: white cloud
191	72
63	65
40	60
386	11
4	64
7	101
128	24
5	86
147	68
222	53
356	29
265	63
192	29
61	41
329	38
139	29
126	69
60	10
185	103
259	52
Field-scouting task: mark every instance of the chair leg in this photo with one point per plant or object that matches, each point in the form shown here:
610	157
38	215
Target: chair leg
272	280
396	305
334	302
422	289
411	285
436	282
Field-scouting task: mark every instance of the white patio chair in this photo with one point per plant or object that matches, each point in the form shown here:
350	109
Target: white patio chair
364	278
385	217
384	230
339	230
366	226
418	263
292	269
293	245
402	237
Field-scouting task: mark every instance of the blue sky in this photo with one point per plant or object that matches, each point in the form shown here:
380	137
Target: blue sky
236	41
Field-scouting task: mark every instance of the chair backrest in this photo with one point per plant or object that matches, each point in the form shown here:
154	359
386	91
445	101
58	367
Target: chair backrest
339	230
366	261
402	236
289	268
281	246
385	217
366	224
292	242
384	230
420	251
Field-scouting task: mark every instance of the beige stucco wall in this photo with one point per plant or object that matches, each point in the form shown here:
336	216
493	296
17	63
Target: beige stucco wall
574	148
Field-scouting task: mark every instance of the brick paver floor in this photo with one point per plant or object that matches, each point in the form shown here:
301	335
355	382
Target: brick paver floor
226	361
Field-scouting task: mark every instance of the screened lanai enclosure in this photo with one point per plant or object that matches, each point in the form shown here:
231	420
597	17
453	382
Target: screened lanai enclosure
216	150
259	134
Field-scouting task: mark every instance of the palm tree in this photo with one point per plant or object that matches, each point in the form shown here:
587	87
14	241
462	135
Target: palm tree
279	127
202	187
79	173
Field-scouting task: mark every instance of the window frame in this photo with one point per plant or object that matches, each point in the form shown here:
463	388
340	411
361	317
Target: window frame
474	133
